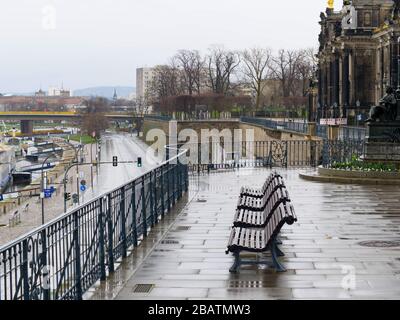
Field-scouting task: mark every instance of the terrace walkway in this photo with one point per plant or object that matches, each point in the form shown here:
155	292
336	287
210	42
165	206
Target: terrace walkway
184	257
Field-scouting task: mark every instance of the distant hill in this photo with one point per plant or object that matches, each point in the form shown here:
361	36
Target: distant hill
22	94
107	92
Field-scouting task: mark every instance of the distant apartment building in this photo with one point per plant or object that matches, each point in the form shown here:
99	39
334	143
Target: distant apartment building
144	77
57	92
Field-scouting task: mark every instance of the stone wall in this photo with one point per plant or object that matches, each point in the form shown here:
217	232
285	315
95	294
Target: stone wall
260	133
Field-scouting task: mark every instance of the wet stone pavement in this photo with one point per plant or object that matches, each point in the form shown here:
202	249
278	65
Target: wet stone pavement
184	257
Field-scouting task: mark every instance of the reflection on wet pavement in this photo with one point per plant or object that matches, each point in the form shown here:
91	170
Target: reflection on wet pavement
184	257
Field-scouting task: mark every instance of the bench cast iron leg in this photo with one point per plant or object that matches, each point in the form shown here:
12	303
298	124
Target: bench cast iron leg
279	252
275	254
236	265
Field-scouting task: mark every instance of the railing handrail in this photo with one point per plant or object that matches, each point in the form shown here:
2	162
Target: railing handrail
72	210
158	117
298	127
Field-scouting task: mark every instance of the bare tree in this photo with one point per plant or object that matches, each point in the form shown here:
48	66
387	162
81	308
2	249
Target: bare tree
306	66
94	119
221	65
191	65
166	82
285	69
256	69
142	107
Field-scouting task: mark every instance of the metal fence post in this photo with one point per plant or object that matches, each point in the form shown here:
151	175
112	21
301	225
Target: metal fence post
77	248
162	192
313	154
110	235
144	213
46	291
186	178
178	182
24	269
325	154
169	187
181	180
199	162
173	184
134	215
286	154
123	222
155	198
151	200
101	242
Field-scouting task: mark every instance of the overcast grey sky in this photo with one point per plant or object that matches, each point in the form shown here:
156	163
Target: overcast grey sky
101	42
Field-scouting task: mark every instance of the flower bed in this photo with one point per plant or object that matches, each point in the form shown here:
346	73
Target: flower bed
356	165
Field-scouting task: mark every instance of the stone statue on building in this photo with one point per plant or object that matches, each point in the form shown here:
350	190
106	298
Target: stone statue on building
387	109
396	10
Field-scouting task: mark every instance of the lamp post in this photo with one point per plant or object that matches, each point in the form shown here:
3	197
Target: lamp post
43	186
398	80
358	104
77	161
398	63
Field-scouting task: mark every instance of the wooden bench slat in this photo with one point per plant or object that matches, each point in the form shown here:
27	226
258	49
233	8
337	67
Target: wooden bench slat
252	238
236	233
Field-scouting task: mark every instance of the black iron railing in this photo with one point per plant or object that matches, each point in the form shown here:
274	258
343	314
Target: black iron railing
322	131
158	117
276	153
64	258
341	151
352	133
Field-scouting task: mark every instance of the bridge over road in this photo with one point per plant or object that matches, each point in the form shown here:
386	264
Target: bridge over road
28	117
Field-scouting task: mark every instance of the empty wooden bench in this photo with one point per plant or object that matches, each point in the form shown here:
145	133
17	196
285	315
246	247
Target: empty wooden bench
248	218
259	192
261	240
276	189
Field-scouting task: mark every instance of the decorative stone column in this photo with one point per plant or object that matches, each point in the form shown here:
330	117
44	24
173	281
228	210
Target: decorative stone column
312	129
333	132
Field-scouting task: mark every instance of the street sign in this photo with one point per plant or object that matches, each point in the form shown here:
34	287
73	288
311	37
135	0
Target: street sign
83	183
47	193
83	188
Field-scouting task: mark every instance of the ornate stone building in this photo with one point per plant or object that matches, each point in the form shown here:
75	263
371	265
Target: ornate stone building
358	57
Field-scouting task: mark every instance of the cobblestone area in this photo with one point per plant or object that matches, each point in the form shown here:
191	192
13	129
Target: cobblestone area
184	258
